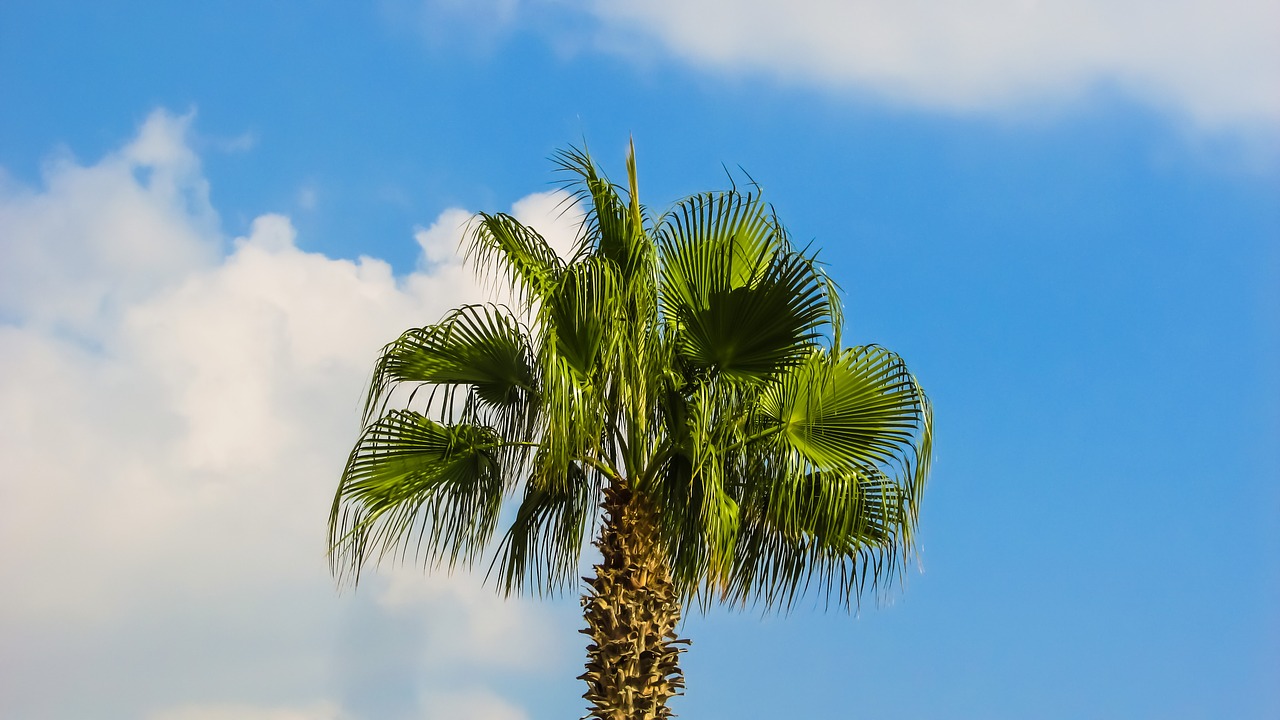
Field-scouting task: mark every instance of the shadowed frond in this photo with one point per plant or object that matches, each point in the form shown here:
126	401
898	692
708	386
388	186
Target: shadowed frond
583	313
741	300
699	487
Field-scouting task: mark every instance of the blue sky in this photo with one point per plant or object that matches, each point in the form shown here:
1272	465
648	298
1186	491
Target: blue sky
1066	216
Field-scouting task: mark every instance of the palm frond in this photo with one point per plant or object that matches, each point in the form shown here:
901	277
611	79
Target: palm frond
583	313
414	484
513	253
741	300
572	419
832	470
613	226
832	535
698	486
740	228
480	348
543	545
859	407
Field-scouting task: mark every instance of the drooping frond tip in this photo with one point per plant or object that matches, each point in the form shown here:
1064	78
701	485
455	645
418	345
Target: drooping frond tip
503	250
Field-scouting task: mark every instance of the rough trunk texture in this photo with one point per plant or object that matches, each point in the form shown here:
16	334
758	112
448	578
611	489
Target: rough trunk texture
631	608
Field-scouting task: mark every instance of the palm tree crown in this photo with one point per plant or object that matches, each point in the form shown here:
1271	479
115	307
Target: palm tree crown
682	372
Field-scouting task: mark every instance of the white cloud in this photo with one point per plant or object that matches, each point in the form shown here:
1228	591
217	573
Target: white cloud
551	212
469	705
481	625
99	237
176	407
557	218
1216	62
320	711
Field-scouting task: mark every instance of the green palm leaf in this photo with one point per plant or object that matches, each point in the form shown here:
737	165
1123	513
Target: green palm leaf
829	534
516	254
740	223
583	313
543	545
411	481
480	348
742	301
699	486
857	408
614	226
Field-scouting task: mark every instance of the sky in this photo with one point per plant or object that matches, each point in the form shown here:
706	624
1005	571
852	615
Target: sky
1064	215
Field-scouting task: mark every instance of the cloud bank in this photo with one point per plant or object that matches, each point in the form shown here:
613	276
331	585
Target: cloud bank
175	407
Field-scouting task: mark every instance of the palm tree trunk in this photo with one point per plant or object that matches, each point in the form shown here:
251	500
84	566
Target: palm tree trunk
631	609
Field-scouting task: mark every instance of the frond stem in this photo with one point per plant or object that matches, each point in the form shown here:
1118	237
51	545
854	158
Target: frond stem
763	434
605	468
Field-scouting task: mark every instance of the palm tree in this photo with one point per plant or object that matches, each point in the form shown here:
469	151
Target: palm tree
677	388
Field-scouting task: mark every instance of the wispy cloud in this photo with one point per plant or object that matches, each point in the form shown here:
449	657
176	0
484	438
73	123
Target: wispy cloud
1215	65
1216	62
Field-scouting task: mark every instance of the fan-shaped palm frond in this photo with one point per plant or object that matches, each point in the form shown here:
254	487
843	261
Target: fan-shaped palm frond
413	482
855	408
742	301
479	349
